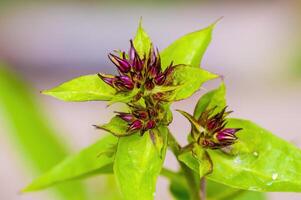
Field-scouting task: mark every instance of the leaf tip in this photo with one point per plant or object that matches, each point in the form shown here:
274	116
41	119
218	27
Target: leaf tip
217	21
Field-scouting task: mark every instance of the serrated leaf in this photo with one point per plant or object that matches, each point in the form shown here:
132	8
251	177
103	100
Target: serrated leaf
117	127
83	88
95	158
137	165
215	98
266	163
31	134
142	42
190	80
188	49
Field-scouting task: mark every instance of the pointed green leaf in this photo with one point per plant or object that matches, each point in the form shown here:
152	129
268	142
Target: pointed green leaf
31	134
124	97
215	98
142	42
138	164
84	88
262	161
117	127
95	158
189	49
190	80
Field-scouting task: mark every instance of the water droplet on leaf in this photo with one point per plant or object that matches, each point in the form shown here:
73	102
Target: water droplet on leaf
274	176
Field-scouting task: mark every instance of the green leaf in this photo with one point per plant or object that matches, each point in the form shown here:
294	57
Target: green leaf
190	80
262	161
217	191
95	158
189	49
138	164
117	127
179	189
198	160
30	132
215	98
84	88
124	97
142	42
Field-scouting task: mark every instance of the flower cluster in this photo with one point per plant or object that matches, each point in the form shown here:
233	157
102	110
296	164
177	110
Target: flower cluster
140	119
144	74
136	72
209	129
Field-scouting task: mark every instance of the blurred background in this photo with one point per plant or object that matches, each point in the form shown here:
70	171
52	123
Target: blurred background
257	47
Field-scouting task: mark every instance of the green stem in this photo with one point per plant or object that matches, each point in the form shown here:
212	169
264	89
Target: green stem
189	174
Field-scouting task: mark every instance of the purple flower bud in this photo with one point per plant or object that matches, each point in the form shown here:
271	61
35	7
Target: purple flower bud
136	125
126	116
127	81
160	78
150	124
141	114
122	64
107	79
132	51
212	124
137	64
153	71
227	134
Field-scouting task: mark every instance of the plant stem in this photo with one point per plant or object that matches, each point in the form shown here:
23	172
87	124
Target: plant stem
193	184
203	188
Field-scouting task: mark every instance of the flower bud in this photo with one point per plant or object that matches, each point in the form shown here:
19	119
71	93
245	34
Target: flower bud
141	114
137	64
126	116
127	81
122	64
150	124
160	78
153	71
136	125
107	79
132	51
227	135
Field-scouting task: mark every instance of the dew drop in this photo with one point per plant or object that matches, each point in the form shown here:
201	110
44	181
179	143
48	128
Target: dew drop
274	176
255	153
237	160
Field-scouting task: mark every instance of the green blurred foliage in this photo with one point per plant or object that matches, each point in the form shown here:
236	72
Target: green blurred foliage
37	143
